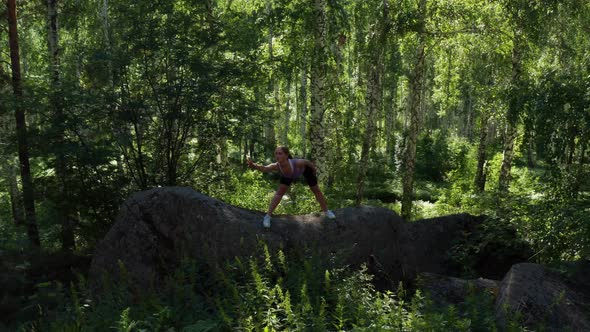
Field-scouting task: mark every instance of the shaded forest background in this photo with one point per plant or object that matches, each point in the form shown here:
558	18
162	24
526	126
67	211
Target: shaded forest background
425	107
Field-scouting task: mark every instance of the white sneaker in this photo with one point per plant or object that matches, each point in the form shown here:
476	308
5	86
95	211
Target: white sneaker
266	221
330	214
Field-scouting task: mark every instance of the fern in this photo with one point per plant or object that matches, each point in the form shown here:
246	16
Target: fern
125	324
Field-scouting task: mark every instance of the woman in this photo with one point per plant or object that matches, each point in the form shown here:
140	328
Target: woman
290	169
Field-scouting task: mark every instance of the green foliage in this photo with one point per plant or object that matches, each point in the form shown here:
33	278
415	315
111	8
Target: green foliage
317	295
248	190
431	155
254	190
12	237
495	241
265	292
457	193
178	305
437	154
554	217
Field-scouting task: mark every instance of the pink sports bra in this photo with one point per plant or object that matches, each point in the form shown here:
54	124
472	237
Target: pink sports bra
296	172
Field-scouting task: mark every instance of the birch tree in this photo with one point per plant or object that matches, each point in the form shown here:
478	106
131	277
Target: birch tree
286	114
526	20
377	46
415	100
303	109
319	69
21	129
514	107
390	100
269	129
57	105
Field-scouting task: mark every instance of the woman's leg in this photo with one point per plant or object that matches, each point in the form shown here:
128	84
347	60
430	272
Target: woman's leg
277	198
320	197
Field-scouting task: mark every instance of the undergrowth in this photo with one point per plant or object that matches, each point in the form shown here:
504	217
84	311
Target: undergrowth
263	292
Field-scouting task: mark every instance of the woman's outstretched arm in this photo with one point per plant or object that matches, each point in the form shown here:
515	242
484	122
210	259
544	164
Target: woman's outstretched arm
262	168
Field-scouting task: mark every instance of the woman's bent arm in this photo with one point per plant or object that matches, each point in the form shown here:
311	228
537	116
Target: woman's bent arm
309	164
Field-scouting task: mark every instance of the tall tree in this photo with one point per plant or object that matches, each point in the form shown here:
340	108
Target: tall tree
415	101
319	71
303	109
177	95
514	108
9	172
286	114
484	72
21	129
377	46
273	87
57	105
106	31
527	20
390	100
9	166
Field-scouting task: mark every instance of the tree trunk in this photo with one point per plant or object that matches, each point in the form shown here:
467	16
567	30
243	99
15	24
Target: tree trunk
512	116
390	110
287	115
319	69
583	144
21	130
377	48
138	154
269	132
269	129
373	82
468	128
79	56
480	176
353	86
580	169
416	84
244	144
170	150
104	15
571	146
57	104
530	148
16	201
9	167
303	111
222	151
391	102
251	148
410	157
509	138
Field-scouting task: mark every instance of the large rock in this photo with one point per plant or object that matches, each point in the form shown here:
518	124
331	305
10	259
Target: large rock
424	244
444	290
544	298
155	228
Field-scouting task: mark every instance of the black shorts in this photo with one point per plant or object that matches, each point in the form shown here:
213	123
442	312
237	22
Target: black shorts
308	174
